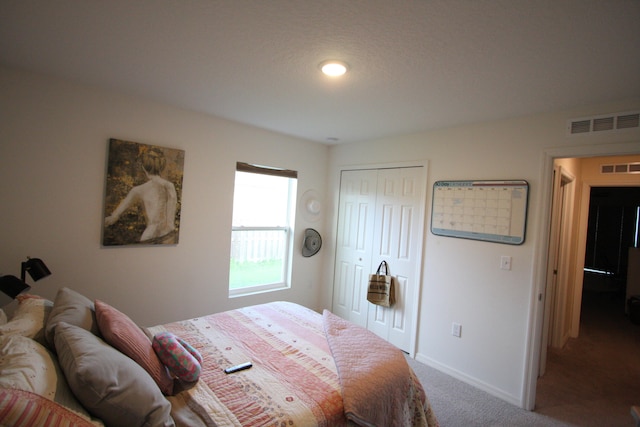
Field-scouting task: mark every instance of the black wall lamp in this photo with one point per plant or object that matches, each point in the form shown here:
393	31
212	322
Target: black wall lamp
12	286
36	268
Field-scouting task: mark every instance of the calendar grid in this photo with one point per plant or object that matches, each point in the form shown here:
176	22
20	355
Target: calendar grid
481	210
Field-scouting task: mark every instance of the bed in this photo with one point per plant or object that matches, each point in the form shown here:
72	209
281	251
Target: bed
78	362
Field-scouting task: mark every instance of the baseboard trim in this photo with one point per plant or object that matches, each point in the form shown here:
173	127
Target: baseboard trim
500	394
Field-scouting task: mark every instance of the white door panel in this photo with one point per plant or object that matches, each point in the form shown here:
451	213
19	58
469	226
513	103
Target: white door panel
353	249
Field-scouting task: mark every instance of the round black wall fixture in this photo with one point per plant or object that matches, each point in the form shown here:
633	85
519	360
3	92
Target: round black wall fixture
311	243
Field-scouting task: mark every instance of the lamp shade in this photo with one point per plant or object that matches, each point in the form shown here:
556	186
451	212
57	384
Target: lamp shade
12	286
36	268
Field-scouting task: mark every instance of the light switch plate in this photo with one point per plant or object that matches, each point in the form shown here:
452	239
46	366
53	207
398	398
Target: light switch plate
456	330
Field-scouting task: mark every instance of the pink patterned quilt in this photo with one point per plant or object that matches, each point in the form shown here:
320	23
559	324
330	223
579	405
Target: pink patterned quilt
378	386
293	382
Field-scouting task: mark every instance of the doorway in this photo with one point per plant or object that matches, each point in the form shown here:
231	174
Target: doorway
589	176
612	229
592	380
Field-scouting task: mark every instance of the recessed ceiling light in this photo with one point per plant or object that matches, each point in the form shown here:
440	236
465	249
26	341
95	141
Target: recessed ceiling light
333	68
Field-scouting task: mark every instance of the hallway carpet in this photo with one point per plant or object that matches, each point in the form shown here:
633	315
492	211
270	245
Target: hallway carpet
595	379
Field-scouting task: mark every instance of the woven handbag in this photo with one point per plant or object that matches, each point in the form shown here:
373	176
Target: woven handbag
381	289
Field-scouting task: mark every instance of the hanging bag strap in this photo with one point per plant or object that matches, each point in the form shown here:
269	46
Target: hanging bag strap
386	268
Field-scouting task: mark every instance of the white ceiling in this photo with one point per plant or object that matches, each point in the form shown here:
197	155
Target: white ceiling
415	65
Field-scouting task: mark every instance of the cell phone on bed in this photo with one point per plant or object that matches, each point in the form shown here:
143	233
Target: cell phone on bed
236	368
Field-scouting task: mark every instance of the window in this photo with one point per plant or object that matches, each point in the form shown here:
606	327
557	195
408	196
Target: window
264	202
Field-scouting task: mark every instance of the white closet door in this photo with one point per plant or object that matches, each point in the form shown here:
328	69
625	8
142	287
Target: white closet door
380	217
397	239
354	244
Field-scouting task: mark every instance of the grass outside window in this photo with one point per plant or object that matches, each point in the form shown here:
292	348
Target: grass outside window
247	274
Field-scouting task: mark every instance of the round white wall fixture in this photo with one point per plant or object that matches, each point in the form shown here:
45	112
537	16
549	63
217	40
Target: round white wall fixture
311	206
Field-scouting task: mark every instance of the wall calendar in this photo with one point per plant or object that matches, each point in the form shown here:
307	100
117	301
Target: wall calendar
494	211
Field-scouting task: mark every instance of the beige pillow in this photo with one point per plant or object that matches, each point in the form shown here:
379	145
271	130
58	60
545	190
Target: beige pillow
73	308
110	385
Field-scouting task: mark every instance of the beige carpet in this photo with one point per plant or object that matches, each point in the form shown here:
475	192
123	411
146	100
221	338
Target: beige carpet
457	404
595	379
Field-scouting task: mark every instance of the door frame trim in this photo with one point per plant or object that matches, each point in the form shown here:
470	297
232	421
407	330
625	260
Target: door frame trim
559	331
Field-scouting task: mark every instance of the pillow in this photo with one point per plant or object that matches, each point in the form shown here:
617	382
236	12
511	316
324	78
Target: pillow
74	309
17	407
182	360
122	333
24	297
27	365
111	386
29	318
3	317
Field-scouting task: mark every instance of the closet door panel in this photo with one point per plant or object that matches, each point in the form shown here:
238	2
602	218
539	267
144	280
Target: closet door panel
354	243
397	240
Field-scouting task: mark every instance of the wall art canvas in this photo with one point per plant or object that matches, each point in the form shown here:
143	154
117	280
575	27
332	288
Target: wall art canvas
143	194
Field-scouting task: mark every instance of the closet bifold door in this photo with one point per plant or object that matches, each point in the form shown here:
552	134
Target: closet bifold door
380	217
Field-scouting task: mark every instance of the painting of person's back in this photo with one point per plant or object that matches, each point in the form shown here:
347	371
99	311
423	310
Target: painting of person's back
142	202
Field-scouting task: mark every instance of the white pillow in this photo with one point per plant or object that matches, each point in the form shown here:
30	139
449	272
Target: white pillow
29	366
29	318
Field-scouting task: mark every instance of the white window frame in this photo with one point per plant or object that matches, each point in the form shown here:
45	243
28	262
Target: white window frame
288	229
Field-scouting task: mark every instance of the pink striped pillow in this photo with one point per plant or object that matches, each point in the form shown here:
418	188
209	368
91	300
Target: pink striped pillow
23	408
122	333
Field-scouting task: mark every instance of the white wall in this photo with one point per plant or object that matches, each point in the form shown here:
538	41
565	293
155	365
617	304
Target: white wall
53	153
462	281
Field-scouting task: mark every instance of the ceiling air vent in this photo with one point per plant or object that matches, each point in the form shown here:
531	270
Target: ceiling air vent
604	123
620	168
629	121
580	126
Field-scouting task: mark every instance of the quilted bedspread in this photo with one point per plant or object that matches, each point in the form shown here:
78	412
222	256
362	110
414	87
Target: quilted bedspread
378	386
293	382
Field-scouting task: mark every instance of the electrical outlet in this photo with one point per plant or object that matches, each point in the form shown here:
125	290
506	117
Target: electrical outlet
456	329
505	262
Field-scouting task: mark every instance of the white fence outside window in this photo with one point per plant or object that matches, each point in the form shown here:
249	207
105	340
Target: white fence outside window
257	244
